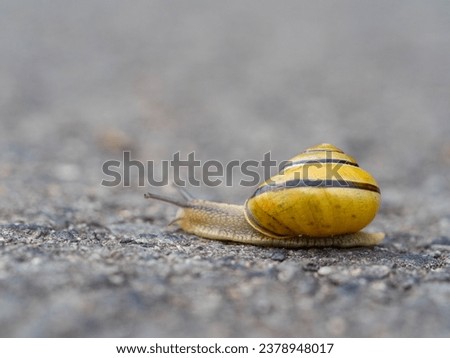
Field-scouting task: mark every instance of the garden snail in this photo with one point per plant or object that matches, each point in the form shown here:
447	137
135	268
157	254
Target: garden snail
320	198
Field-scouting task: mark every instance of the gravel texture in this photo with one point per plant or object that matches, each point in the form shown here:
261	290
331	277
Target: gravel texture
80	82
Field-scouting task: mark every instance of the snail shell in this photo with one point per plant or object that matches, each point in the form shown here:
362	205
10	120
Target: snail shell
321	192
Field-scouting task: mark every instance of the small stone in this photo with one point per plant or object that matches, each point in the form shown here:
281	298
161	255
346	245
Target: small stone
436	254
287	270
311	266
127	241
376	272
279	255
326	270
66	235
116	279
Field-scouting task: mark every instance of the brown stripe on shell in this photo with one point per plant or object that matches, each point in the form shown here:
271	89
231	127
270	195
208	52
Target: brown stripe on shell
322	161
313	149
328	183
257	225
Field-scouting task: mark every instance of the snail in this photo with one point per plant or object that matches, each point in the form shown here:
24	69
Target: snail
321	198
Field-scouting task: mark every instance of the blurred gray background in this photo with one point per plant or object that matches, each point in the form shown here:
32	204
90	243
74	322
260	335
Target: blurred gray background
82	81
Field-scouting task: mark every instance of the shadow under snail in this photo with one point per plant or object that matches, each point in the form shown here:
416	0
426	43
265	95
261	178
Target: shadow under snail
321	198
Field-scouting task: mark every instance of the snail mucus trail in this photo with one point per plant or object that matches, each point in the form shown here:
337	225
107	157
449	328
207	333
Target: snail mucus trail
292	211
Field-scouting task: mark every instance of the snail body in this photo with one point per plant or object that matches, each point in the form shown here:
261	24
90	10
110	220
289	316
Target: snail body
320	198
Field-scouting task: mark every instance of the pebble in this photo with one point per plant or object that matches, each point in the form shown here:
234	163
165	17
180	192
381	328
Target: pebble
279	255
287	271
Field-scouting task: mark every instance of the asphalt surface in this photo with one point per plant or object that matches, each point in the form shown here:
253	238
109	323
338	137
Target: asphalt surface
81	82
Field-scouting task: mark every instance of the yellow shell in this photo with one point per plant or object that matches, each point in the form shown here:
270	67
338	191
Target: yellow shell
320	192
